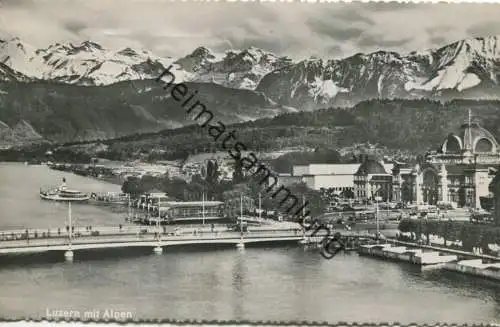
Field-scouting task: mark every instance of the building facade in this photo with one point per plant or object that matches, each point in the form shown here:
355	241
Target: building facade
338	177
458	173
373	179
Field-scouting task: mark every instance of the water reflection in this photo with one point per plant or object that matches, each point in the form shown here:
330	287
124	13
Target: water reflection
238	273
489	290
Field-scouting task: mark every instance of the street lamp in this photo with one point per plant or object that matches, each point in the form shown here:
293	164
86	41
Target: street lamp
203	207
241	244
377	199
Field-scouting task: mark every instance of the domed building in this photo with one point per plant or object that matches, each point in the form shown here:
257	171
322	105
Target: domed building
459	172
469	139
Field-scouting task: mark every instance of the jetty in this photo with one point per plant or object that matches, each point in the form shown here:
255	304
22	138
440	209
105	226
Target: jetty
402	253
428	257
475	267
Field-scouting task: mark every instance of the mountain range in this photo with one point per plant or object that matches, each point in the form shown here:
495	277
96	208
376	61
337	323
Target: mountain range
84	91
464	69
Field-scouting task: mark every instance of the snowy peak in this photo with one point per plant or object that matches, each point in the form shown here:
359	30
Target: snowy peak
487	47
20	57
234	68
202	53
87	63
128	52
463	65
199	61
70	49
466	68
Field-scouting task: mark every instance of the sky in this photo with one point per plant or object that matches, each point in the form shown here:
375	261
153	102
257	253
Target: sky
298	30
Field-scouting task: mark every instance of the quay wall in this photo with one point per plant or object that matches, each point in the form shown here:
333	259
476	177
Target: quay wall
415	256
475	268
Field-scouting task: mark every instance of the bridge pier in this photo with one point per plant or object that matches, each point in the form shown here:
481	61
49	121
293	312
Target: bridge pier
68	255
240	245
158	250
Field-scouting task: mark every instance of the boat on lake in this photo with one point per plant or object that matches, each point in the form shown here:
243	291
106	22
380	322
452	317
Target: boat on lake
63	193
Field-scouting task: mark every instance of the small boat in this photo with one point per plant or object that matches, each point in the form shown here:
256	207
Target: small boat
62	193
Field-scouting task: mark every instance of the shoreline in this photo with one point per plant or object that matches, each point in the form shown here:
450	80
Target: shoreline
111	180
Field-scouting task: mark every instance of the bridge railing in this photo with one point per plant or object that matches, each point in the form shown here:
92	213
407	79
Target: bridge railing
80	231
33	242
165	232
115	234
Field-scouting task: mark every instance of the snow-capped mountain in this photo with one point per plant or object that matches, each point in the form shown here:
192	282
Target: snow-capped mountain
238	69
87	63
467	68
8	74
464	69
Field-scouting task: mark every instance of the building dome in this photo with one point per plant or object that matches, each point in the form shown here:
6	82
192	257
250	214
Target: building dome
370	167
470	137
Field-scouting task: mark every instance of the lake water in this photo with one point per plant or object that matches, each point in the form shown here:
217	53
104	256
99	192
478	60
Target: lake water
263	283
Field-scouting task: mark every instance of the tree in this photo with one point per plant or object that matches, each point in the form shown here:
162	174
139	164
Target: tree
406	192
316	204
486	239
406	226
348	194
238	172
134	186
174	187
137	186
461	197
211	177
239	194
195	189
494	188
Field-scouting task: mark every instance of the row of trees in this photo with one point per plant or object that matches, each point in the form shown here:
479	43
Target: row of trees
38	152
471	235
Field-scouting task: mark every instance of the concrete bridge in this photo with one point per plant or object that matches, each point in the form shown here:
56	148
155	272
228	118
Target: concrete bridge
12	242
156	237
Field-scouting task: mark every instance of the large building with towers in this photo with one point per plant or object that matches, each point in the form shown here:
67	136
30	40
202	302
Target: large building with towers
459	172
